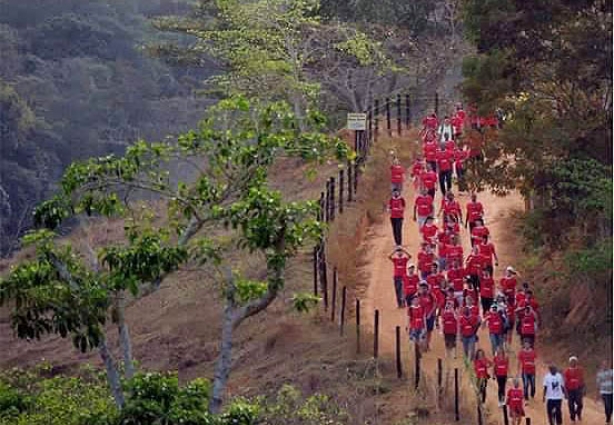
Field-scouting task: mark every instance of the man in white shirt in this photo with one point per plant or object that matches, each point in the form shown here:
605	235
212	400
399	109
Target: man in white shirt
554	392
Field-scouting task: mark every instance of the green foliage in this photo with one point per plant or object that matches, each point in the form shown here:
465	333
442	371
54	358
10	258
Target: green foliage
304	302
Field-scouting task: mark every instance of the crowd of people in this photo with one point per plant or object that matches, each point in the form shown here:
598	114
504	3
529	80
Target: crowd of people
457	292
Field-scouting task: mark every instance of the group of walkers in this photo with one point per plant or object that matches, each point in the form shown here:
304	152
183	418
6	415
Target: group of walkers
458	294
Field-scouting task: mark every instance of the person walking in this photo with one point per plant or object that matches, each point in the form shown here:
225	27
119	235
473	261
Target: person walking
474	212
515	402
501	365
423	207
416	323
396	208
605	378
449	325
469	325
508	284
574	385
397	175
480	366
399	258
527	324
429	304
554	392
526	364
445	162
487	251
428	178
417	169
496	329
445	130
487	290
410	284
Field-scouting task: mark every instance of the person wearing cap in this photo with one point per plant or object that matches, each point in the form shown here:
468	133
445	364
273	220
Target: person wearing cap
397	175
526	365
515	402
574	385
423	207
449	325
554	392
399	258
410	284
396	208
429	304
496	328
605	379
469	325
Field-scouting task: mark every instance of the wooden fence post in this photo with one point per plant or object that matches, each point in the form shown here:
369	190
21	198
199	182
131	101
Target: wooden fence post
316	267
357	326
342	313
332	199
528	420
333	304
324	277
417	357
439	375
350	165
437	103
355	182
370	124
376	118
321	204
480	419
399	116
456	411
398	351
407	111
376	335
506	420
341	187
388	124
327	202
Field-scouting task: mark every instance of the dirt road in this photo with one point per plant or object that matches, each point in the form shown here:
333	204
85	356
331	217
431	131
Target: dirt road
381	296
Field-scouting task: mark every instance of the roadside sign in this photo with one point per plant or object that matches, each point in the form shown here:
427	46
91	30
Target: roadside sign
357	121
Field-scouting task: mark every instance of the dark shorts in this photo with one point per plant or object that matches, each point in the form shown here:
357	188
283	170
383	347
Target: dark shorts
450	340
417	335
430	323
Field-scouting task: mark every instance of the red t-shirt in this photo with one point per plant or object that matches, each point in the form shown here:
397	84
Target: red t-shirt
397	207
461	114
453	253
450	145
501	365
534	305
449	323
475	210
430	122
515	399
450	207
459	158
481	367
424	205
478	233
429	150
400	266
468	325
435	280
474	264
495	323
445	159
429	179
429	232
457	124
487	251
574	378
428	304
527	360
487	287
410	284
417	169
425	261
520	295
397	173
456	278
508	285
416	317
527	324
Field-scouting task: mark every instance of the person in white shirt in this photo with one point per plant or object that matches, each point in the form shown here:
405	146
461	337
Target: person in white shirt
605	383
554	392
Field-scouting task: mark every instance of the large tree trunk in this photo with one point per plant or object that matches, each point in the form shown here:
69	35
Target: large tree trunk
124	338
112	373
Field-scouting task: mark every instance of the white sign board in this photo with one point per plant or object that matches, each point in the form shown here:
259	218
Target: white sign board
357	121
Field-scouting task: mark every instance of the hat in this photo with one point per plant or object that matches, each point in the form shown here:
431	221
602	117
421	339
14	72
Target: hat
510	269
424	283
573	358
411	266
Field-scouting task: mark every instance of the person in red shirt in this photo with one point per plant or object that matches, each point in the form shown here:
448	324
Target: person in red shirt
574	384
501	365
416	170
451	298
449	325
527	324
454	251
526	364
529	300
515	402
474	267
429	303
423	207
475	212
430	122
399	258
444	239
457	126
478	232
429	231
496	328
456	278
480	366
426	258
450	208
510	313
410	284
449	144
470	301
521	294
416	322
460	156
436	282
445	162
397	175
468	325
429	149
487	252
487	290
429	180
396	208
508	284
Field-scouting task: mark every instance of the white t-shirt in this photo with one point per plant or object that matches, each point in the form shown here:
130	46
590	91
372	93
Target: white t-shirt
554	386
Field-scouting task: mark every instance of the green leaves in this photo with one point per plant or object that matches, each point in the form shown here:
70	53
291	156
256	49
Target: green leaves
303	302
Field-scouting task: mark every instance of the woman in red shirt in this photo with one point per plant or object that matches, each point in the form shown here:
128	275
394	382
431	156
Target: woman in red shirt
487	290
397	175
417	169
526	364
508	284
449	325
501	365
480	366
396	208
475	211
428	179
429	231
416	322
487	252
474	267
515	403
479	231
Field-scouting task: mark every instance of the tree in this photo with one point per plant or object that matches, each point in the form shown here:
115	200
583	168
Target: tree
231	153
